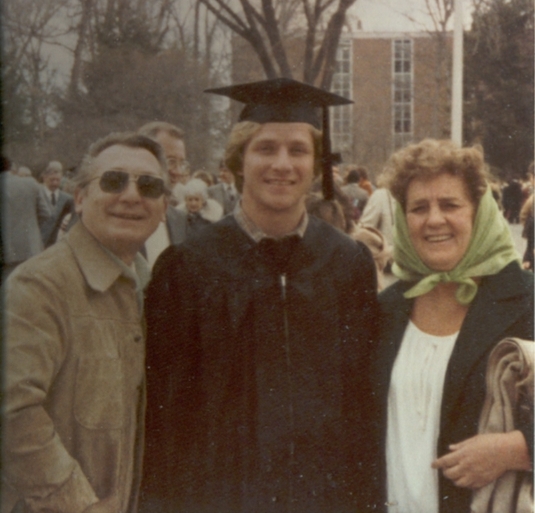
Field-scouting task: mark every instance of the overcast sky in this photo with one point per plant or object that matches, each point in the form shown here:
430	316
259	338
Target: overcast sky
374	15
391	15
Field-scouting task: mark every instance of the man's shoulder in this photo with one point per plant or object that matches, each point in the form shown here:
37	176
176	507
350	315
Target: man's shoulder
222	233
65	196
334	249
324	237
19	183
209	251
55	266
217	238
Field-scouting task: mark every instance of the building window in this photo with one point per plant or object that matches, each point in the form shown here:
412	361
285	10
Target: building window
341	124
402	93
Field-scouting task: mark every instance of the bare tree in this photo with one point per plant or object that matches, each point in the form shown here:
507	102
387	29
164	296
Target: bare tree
263	27
499	83
434	18
29	30
82	30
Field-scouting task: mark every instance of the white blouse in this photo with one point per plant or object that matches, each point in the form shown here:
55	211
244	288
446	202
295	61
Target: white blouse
414	402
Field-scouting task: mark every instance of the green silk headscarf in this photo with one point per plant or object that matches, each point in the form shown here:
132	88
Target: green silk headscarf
490	249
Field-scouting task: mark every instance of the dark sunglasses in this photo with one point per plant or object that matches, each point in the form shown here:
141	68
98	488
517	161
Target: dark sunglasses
116	182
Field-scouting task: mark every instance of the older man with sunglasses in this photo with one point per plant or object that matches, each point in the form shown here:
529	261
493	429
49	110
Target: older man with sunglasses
75	350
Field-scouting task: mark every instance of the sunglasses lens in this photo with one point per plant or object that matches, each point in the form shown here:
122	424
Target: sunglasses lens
150	186
114	181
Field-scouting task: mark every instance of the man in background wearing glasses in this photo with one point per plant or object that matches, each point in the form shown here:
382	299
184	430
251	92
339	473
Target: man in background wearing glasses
74	382
173	231
171	139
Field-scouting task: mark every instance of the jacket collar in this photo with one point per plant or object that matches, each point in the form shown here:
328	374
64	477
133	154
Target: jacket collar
99	269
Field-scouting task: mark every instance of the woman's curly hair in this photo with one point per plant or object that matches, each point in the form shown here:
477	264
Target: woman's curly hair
430	158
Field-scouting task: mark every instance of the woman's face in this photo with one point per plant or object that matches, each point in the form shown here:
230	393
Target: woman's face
194	203
440	216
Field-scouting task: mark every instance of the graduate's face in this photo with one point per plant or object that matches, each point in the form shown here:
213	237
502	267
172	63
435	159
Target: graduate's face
278	167
440	217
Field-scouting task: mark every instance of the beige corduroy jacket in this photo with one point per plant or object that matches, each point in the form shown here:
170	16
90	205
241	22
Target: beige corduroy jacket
74	380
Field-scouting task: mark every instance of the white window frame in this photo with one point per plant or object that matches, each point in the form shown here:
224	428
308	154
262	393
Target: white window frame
342	84
402	92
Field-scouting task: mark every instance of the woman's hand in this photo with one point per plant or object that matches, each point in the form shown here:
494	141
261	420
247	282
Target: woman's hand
477	461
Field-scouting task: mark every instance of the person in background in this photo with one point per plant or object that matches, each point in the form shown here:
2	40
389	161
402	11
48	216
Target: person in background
60	203
171	230
205	176
259	329
200	209
526	218
364	181
25	210
527	186
334	213
171	139
336	162
379	214
357	195
73	394
461	290
25	172
512	200
225	192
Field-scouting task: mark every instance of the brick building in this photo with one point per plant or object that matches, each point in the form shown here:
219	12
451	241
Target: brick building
399	82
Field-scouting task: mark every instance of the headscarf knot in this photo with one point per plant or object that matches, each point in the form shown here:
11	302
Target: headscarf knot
491	248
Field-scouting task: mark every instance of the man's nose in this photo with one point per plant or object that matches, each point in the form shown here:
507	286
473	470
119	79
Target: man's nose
282	160
131	193
436	216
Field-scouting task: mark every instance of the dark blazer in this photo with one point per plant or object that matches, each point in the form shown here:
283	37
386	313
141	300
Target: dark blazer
64	205
24	212
220	194
176	222
503	307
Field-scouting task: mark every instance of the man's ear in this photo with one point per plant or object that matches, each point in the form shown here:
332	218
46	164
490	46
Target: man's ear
164	214
79	196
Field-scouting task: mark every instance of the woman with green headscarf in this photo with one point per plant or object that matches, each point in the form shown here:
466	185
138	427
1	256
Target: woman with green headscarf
460	291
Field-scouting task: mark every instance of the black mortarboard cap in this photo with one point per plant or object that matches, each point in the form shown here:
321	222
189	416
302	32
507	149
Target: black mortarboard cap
283	100
336	159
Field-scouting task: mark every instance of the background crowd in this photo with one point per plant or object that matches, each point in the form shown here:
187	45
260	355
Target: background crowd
362	209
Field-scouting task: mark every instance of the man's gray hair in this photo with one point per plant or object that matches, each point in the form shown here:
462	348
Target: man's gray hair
85	171
53	167
153	128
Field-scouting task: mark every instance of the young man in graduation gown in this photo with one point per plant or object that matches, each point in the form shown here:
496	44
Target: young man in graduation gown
258	331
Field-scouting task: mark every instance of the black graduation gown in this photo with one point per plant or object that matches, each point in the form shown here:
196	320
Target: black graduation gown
254	380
